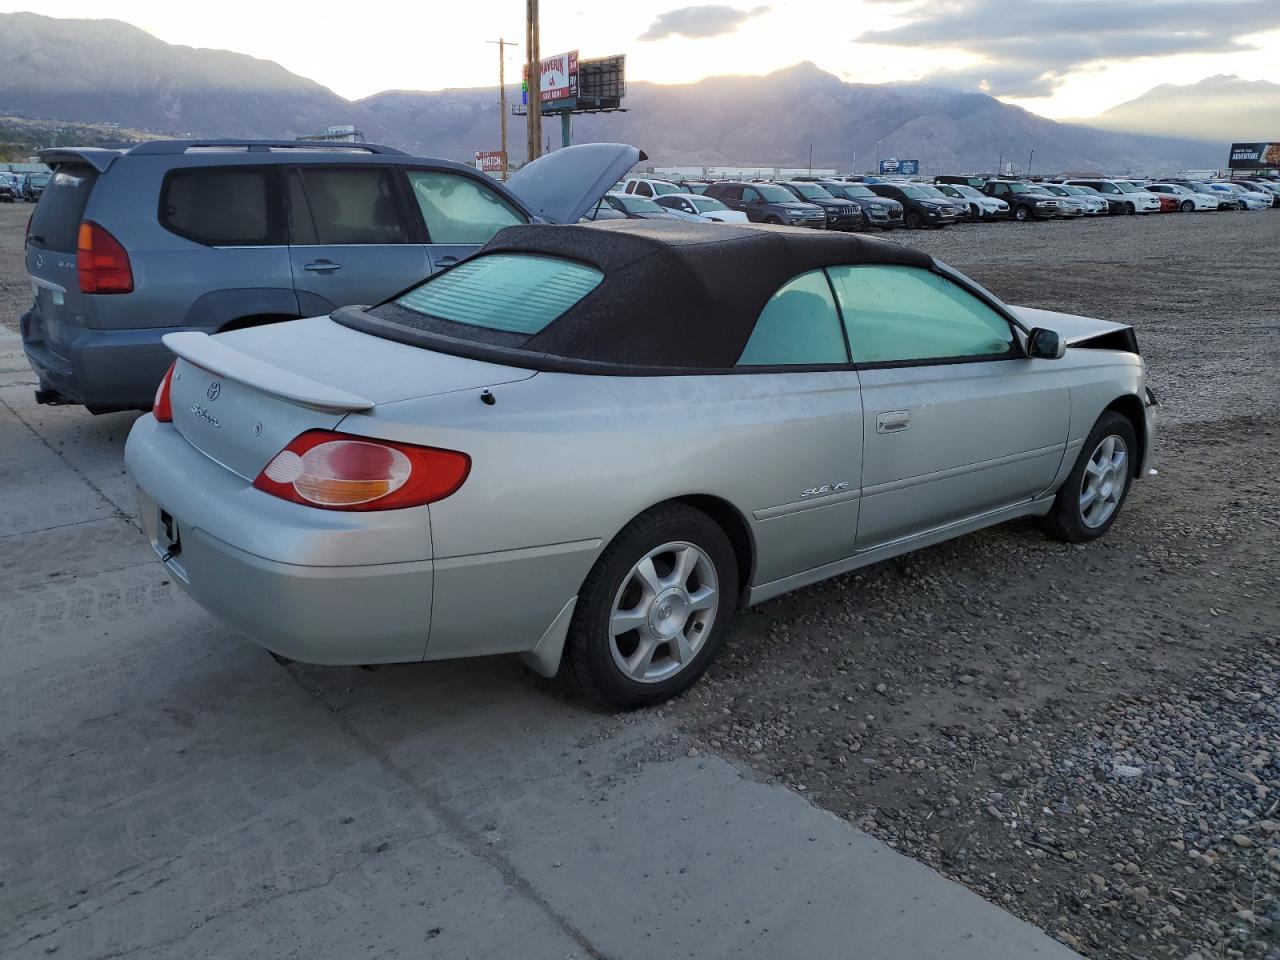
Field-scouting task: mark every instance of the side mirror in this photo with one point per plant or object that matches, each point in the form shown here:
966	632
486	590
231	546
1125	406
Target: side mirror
1045	345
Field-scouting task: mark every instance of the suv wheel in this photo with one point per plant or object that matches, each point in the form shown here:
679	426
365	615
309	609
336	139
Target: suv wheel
1020	213
772	219
1129	209
654	609
912	220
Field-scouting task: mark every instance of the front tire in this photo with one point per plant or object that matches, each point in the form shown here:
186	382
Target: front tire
1188	206
913	220
1130	209
654	610
1090	500
1020	214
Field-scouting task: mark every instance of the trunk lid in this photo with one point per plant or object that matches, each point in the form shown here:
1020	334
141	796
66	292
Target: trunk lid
240	397
561	187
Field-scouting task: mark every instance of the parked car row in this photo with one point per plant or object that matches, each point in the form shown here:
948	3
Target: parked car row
863	202
22	186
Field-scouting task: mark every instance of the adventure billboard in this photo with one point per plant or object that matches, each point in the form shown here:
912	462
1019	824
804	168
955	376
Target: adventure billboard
1254	156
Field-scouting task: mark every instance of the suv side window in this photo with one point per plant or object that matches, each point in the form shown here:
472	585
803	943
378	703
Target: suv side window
999	188
750	194
458	209
900	314
223	206
799	325
336	206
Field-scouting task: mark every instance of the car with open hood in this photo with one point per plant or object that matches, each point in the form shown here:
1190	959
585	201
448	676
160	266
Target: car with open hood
128	245
593	444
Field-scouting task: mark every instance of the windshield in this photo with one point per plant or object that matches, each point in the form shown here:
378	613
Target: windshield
1199	186
811	191
707	203
1087	191
1017	187
935	192
509	292
774	193
915	193
633	204
857	190
41	178
965	191
1053	188
661	188
1127	187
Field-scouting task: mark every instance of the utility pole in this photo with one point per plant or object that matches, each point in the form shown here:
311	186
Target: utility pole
1030	156
533	69
877	170
502	95
811	159
1000	164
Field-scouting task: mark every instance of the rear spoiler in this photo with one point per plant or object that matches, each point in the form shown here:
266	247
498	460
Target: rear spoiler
97	157
222	360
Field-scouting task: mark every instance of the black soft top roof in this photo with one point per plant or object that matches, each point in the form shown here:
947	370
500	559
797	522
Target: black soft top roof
675	295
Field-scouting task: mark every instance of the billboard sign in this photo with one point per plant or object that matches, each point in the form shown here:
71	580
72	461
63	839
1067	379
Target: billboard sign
1253	156
559	80
490	161
906	167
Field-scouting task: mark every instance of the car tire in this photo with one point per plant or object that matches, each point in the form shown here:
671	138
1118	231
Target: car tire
912	220
1021	213
1187	206
773	220
636	581
1130	209
1094	492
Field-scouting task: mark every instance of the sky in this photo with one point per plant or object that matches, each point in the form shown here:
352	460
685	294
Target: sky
1059	58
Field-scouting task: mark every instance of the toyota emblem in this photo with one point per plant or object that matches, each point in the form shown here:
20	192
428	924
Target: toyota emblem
215	388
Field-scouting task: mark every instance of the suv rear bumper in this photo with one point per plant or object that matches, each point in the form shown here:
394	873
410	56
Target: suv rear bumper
101	369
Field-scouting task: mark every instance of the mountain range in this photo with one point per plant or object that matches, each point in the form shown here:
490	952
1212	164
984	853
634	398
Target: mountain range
107	71
1224	107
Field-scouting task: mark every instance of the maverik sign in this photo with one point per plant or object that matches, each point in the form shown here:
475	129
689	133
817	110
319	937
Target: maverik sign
1252	156
559	80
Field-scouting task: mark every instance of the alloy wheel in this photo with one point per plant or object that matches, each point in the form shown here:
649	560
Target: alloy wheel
663	612
1103	484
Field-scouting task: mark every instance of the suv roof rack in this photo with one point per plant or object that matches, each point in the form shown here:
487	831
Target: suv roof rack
163	147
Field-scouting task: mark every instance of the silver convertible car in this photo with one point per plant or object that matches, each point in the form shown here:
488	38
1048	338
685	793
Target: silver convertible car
593	444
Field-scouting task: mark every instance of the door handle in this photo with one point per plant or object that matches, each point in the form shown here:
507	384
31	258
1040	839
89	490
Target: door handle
449	259
322	266
894	421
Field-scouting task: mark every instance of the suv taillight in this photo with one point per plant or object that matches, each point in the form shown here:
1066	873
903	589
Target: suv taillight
101	261
339	471
162	408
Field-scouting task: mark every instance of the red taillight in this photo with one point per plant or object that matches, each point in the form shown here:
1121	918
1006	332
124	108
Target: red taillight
162	408
338	471
103	264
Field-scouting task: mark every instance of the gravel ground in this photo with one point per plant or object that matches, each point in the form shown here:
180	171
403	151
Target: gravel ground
1086	735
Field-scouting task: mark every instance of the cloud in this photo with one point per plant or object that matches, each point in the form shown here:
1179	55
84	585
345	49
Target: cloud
709	20
1028	47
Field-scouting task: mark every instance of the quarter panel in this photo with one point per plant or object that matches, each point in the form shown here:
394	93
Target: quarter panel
567	457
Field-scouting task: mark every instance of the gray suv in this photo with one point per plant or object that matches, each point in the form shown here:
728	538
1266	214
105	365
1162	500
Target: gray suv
126	246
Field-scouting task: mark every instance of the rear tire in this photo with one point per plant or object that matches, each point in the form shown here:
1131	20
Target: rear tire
774	220
654	610
1090	499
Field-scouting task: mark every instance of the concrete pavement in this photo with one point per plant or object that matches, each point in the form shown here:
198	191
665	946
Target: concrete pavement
168	790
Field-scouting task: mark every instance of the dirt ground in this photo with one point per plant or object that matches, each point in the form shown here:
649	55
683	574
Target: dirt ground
1086	735
1089	736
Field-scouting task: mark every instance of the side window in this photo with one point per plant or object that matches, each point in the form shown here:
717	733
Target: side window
644	190
1000	188
750	194
458	209
345	205
896	314
630	187
222	206
799	325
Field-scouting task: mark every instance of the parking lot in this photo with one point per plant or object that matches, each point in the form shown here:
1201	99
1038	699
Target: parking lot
980	706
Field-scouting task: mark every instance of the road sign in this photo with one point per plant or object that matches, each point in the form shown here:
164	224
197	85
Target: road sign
490	161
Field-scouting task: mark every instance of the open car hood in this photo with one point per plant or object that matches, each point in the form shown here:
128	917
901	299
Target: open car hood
1079	331
560	187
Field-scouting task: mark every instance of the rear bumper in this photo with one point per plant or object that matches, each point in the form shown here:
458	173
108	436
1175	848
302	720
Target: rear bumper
102	369
332	587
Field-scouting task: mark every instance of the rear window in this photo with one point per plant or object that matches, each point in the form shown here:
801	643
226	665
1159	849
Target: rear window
507	292
222	206
56	221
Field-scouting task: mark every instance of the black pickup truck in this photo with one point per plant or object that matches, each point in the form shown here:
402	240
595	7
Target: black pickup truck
1026	200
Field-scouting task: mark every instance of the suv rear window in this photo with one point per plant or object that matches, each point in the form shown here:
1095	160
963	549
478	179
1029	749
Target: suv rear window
222	206
508	292
55	224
